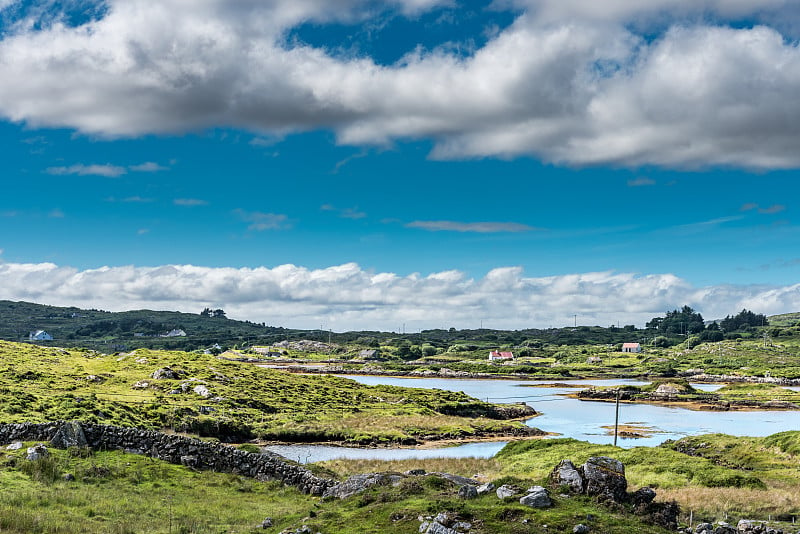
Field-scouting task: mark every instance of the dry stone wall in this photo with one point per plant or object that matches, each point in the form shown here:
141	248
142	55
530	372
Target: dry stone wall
170	448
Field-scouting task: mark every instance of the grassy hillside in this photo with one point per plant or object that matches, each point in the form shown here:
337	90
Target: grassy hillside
117	493
231	400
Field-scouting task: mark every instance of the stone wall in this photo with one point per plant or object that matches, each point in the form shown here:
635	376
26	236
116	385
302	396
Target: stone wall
170	448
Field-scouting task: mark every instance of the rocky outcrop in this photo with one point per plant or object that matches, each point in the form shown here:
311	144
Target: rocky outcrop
358	483
604	478
170	448
566	475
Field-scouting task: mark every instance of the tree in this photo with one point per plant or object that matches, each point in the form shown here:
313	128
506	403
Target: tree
743	321
206	312
219	313
678	322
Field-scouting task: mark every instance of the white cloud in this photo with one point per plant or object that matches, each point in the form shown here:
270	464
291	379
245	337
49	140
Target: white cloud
109	171
260	221
571	81
348	297
190	202
476	227
148	166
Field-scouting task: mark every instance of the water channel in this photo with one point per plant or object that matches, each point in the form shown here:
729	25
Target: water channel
565	416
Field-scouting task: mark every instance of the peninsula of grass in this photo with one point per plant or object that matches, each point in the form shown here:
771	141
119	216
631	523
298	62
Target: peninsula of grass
671	391
234	401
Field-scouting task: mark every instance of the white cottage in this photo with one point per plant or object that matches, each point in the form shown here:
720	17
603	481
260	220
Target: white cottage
40	335
631	347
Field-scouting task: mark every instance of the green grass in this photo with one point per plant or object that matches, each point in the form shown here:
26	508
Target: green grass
246	401
119	493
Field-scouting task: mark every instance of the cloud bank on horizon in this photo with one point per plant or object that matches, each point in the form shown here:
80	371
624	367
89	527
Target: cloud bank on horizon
673	83
347	297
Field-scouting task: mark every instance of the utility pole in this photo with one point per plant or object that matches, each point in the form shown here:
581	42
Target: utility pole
576	320
616	419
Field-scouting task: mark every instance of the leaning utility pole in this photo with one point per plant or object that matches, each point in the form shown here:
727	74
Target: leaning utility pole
616	419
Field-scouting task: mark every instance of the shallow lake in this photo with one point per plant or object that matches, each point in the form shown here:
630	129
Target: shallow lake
565	416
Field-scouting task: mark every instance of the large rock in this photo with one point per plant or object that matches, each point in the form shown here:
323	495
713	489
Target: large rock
358	483
166	373
565	474
70	434
467	492
605	477
483	489
37	452
506	491
537	497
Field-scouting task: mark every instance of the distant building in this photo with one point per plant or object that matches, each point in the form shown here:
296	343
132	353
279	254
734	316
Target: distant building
497	355
369	354
40	335
631	347
177	332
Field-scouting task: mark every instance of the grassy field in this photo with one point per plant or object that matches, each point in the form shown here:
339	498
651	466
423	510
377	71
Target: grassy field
235	401
713	477
117	493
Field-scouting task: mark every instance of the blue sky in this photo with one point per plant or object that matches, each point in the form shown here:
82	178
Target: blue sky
399	159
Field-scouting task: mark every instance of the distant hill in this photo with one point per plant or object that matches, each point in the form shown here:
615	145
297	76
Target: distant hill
784	319
131	329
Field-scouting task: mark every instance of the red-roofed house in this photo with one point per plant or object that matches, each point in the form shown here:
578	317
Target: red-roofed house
631	347
497	355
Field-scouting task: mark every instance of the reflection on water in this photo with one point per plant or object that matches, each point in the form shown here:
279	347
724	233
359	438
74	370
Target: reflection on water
565	416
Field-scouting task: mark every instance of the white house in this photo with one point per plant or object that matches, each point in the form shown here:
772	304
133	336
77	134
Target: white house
631	347
497	355
40	335
177	332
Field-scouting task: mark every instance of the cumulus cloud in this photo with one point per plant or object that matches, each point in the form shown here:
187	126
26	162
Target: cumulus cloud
348	297
109	171
577	82
476	227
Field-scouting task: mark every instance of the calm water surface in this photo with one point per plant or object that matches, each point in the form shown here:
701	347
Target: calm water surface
565	416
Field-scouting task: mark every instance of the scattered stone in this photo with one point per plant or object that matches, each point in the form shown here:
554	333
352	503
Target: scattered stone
37	452
202	391
749	525
580	528
166	373
704	528
467	491
506	491
141	384
565	474
537	497
68	477
483	489
17	445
